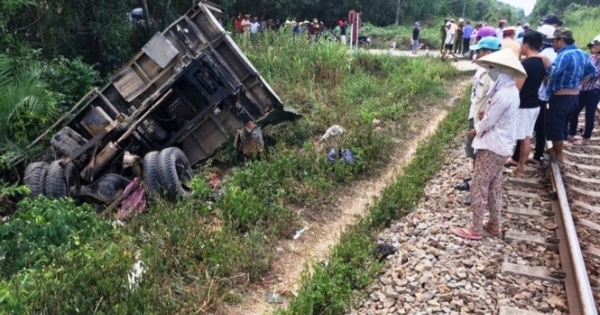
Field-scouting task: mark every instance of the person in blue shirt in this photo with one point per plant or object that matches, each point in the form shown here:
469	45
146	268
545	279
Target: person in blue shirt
467	31
570	69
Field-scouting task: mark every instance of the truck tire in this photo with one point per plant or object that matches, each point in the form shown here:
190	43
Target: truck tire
150	173
174	172
56	185
35	178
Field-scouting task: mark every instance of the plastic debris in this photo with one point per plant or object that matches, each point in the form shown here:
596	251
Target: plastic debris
274	298
135	275
135	202
333	131
341	155
300	232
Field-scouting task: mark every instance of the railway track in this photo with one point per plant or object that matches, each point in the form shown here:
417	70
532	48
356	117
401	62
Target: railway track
566	202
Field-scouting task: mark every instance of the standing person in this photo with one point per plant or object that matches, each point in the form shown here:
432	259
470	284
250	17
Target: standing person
535	65
509	42
338	30
493	138
467	31
246	25
458	36
415	38
571	68
520	30
481	86
448	42
589	96
499	30
443	32
238	23
254	26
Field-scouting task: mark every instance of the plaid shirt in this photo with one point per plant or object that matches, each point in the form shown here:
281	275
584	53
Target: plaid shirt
593	84
569	68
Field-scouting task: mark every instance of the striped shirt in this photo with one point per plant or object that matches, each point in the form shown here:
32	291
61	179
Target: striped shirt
593	84
570	67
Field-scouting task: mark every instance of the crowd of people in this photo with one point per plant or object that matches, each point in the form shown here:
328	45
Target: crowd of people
527	82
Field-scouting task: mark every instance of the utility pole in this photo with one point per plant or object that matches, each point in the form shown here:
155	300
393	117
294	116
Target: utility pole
146	14
464	8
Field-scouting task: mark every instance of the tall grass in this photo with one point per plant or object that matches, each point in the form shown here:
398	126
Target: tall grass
338	286
201	254
583	21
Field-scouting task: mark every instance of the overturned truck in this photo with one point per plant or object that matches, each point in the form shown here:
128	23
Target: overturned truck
187	92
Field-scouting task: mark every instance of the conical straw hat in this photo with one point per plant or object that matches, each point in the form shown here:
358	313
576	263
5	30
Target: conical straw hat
505	61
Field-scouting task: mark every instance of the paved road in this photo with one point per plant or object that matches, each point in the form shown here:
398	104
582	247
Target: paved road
462	64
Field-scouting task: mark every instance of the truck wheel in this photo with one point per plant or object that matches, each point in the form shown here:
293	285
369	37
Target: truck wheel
35	178
174	172
61	180
150	173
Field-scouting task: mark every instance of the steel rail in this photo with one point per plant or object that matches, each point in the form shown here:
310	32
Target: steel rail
577	285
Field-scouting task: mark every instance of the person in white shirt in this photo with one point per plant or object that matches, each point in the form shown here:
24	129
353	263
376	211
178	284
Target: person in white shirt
254	26
494	139
448	43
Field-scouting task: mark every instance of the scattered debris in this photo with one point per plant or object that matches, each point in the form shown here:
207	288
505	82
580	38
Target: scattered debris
135	275
333	131
376	122
134	200
340	155
274	298
300	232
464	186
383	251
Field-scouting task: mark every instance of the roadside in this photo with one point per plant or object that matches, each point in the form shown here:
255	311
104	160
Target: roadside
462	64
315	244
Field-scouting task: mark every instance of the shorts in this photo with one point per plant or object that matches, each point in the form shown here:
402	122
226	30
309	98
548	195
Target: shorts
559	111
448	46
469	151
526	122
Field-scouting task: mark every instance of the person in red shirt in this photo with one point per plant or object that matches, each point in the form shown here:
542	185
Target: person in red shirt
238	23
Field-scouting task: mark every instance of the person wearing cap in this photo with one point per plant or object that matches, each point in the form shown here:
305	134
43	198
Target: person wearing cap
467	31
493	139
571	68
509	42
535	65
553	20
415	38
501	25
520	30
589	96
481	86
448	42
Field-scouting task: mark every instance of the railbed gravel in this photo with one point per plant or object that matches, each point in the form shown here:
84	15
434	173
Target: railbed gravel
434	272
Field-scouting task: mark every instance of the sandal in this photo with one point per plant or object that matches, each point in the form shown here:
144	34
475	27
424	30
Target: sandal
581	142
489	229
510	162
467	233
513	173
534	161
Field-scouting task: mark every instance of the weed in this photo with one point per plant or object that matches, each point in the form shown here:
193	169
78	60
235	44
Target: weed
332	288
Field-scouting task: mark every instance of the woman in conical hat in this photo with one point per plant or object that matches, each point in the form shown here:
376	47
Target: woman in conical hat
493	139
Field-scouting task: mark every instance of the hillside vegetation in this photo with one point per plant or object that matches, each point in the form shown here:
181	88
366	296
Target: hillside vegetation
62	258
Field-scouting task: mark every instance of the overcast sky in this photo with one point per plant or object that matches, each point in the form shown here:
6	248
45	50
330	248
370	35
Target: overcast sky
526	5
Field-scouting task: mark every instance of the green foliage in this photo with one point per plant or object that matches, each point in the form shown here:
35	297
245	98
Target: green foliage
582	20
63	259
72	78
351	266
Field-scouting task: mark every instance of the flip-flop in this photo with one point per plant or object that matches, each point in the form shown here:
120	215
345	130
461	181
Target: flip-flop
511	163
581	142
467	233
512	173
487	228
534	161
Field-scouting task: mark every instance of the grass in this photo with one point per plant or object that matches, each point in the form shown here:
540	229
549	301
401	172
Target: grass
60	258
582	20
333	289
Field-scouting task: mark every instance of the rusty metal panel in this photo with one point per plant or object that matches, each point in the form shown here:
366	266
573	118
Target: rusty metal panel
160	49
96	120
128	83
204	140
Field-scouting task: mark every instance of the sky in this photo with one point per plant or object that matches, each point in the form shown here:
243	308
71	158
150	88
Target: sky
526	5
